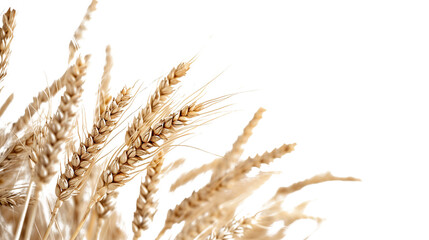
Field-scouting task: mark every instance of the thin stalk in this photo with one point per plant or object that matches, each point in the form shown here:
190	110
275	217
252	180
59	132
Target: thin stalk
24	211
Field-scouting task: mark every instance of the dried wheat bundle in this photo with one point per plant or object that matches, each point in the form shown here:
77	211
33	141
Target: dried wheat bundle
40	150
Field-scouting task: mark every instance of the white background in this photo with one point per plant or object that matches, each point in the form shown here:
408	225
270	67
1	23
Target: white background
345	80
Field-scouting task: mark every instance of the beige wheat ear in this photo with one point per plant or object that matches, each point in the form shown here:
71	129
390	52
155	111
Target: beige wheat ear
222	165
42	97
146	204
79	167
57	133
6	36
156	101
104	97
123	167
187	208
77	36
234	154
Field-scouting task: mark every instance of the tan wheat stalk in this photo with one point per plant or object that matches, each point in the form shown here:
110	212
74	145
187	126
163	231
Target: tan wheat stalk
156	100
6	36
57	133
146	204
237	148
126	165
77	36
79	166
189	205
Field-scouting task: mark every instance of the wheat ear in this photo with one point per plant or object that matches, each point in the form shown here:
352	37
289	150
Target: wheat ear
221	165
125	166
79	166
156	100
190	175
146	205
6	36
74	43
234	154
57	132
189	205
104	97
283	191
42	96
10	199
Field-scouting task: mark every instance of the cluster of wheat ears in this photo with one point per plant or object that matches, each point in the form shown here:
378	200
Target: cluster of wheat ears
37	152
